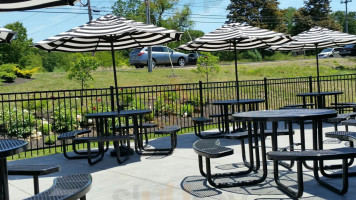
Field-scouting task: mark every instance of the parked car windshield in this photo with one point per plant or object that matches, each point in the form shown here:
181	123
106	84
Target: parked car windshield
326	50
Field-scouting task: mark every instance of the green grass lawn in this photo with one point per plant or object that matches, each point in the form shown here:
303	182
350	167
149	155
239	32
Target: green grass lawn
163	75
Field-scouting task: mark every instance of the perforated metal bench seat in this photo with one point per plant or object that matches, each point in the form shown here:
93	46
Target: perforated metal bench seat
331	154
314	155
72	134
32	170
145	125
244	135
350	122
342	135
201	120
114	138
168	130
69	187
210	148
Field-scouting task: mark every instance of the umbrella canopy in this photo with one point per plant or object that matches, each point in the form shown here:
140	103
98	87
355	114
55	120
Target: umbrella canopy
6	35
236	36
109	33
315	38
17	5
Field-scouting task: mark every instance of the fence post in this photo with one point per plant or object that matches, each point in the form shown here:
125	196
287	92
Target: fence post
201	98
112	98
266	92
310	84
311	87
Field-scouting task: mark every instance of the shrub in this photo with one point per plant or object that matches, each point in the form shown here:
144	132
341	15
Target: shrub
51	139
7	77
9	68
187	108
171	96
37	106
45	129
18	123
160	106
26	73
253	55
64	119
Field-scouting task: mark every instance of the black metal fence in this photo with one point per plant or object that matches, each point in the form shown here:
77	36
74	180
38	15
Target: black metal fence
40	116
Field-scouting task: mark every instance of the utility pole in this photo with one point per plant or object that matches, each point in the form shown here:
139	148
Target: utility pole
89	11
346	24
149	49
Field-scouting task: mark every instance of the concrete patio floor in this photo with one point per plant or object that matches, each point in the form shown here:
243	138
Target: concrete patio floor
177	176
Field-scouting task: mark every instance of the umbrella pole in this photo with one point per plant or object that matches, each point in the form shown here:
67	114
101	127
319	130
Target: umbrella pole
236	73
317	68
115	77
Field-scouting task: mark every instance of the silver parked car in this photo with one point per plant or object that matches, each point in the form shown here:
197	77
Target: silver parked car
330	53
161	55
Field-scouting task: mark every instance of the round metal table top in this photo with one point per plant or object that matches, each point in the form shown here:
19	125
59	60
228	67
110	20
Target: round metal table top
285	115
320	93
124	113
102	114
9	147
236	102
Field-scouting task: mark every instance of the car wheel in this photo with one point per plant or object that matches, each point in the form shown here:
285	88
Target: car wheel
343	55
137	66
181	62
153	63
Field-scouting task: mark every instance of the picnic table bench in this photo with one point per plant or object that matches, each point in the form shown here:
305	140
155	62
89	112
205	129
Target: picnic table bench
315	156
210	149
69	187
114	138
33	170
72	135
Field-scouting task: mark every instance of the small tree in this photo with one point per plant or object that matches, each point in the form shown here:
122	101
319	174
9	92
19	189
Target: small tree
80	71
207	67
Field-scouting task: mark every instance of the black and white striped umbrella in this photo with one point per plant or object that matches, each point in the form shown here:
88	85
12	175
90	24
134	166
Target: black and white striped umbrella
236	36
314	38
6	35
109	33
17	5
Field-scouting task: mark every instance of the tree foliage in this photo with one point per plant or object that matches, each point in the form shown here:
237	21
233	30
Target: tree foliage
164	13
339	17
18	51
314	13
260	13
80	71
207	65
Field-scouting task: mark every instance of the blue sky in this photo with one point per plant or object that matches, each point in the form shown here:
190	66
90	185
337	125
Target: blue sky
207	14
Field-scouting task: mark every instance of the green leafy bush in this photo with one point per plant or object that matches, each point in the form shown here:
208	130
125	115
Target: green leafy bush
9	68
160	106
188	109
65	118
51	139
18	123
253	55
7	77
38	106
46	128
